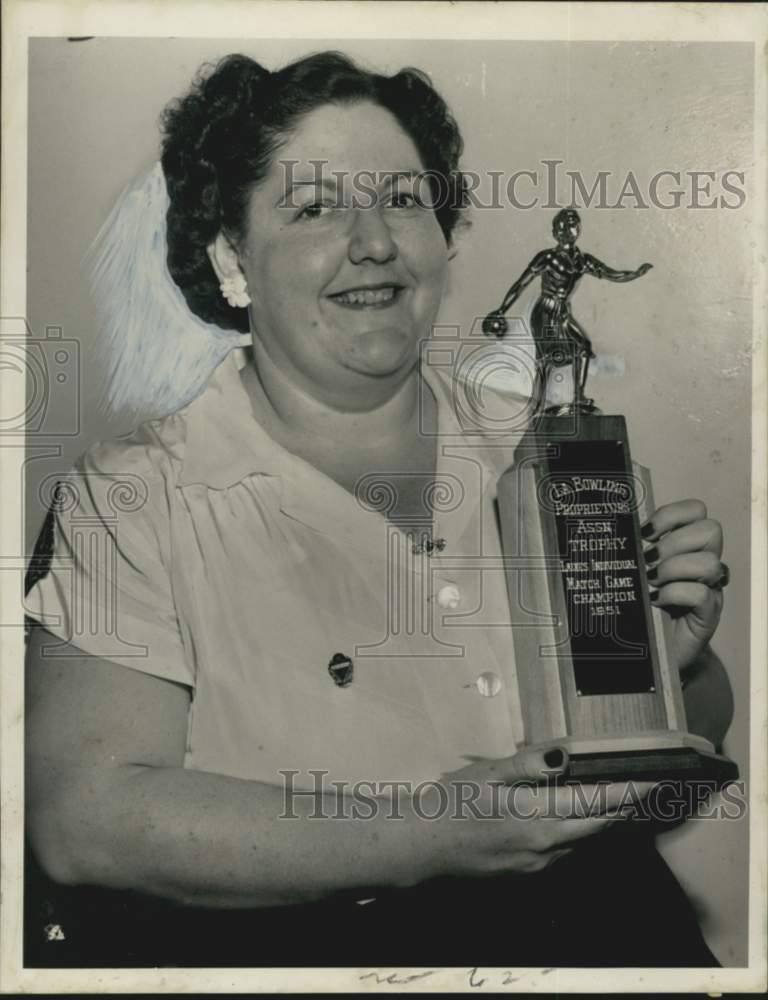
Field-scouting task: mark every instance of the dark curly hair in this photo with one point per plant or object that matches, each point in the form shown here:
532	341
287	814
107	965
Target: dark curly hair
220	139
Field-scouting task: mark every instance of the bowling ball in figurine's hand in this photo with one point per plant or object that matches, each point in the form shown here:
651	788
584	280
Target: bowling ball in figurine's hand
495	325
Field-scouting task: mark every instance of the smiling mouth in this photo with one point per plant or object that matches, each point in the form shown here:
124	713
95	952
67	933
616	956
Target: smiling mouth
368	298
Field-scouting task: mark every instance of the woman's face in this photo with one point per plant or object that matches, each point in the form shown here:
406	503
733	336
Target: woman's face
345	268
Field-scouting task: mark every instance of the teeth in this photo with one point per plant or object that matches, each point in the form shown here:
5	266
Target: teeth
367	297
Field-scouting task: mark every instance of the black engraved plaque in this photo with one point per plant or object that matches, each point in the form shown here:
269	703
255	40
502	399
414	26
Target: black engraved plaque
591	492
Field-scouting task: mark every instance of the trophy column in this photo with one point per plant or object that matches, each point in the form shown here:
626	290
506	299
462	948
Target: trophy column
596	679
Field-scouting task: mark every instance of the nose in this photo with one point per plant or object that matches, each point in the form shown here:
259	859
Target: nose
371	237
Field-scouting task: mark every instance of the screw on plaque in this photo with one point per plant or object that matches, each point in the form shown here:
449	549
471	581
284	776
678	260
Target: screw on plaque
341	669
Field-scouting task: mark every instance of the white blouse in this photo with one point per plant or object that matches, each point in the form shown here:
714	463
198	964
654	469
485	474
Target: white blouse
200	551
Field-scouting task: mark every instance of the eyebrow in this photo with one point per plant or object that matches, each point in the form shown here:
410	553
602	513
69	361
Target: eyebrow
315	183
382	177
397	174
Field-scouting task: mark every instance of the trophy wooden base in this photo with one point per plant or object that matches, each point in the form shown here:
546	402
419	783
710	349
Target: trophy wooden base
662	755
689	766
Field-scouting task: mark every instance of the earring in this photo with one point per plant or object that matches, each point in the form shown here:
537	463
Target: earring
235	291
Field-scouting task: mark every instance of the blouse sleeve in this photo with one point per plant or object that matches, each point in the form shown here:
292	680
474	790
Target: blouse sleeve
107	588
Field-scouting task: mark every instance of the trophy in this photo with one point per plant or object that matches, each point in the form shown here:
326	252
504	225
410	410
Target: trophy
593	670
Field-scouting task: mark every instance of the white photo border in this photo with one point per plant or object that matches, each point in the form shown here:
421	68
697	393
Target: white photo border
25	19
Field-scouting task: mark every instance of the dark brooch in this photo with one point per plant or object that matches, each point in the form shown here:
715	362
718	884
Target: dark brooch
341	669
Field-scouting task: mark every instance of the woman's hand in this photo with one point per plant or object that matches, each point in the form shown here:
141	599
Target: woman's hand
497	821
686	574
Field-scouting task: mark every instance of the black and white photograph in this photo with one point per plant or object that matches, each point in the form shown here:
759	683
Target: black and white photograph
383	514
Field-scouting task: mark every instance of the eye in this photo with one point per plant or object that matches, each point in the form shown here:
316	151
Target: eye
315	210
413	194
403	199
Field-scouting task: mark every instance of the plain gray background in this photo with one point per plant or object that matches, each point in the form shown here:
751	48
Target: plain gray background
680	337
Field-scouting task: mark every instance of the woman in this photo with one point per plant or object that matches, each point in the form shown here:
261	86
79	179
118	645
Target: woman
213	763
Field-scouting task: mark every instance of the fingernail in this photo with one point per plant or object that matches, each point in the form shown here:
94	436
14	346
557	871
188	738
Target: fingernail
653	594
554	757
651	555
652	573
647	530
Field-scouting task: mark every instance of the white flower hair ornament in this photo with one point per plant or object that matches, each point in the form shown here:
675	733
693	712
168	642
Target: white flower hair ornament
158	354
